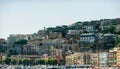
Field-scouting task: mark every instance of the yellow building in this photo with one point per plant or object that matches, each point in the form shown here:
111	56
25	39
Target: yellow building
94	59
2	56
112	58
118	57
76	58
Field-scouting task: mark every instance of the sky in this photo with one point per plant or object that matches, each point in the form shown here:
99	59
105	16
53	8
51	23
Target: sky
29	16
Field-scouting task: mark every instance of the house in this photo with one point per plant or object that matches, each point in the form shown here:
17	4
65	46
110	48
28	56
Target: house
118	28
72	33
118	57
13	38
4	47
2	41
86	58
94	59
18	49
103	58
2	56
75	58
87	37
46	45
108	40
89	27
53	35
104	23
37	37
112	57
30	49
42	32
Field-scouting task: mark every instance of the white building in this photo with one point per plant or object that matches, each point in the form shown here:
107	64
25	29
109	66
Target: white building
87	37
13	38
30	49
73	32
103	58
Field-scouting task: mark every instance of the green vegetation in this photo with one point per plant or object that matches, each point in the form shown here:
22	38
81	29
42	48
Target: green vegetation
63	29
26	61
110	29
1	50
117	41
39	61
11	52
13	61
100	43
0	61
7	60
19	61
21	42
52	61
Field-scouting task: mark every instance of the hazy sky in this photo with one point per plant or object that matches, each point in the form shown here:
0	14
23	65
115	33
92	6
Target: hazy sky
28	16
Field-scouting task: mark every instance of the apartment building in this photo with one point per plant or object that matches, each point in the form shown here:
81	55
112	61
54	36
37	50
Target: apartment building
118	57
13	38
103	58
75	58
94	59
112	57
87	37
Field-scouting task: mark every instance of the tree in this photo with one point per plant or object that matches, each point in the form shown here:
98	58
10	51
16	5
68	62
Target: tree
38	61
45	61
50	61
117	41
10	52
106	30
55	61
0	61
7	60
25	61
1	50
97	26
112	29
13	61
118	45
21	42
20	61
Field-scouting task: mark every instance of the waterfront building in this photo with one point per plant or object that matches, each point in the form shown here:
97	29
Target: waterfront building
74	58
112	58
118	57
103	58
94	59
